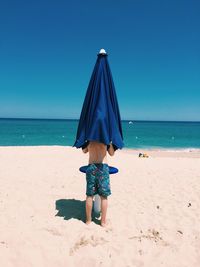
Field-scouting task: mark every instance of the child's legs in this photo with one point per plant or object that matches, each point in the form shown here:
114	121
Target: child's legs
90	191
89	203
104	206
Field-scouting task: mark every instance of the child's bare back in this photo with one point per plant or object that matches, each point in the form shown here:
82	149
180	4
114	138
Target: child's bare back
98	152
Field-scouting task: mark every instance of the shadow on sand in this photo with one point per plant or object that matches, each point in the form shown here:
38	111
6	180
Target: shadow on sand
72	208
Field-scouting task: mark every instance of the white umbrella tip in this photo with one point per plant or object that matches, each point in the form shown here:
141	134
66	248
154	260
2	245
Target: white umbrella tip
102	51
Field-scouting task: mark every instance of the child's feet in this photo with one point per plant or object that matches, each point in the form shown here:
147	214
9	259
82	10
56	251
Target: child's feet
103	224
88	222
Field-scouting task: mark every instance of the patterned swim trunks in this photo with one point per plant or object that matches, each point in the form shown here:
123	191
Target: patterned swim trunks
98	181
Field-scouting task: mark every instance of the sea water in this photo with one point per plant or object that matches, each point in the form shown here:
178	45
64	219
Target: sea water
137	134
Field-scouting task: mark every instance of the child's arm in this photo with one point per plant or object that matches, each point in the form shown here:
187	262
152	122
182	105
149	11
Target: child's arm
85	147
111	150
85	150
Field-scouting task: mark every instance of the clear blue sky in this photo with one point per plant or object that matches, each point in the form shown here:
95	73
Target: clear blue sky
48	50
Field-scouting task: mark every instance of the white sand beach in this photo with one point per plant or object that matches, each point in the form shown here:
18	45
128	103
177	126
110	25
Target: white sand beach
153	212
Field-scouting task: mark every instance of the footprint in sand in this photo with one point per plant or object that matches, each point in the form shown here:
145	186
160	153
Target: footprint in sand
151	234
85	241
53	231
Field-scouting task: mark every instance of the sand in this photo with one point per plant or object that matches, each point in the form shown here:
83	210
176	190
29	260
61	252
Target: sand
153	214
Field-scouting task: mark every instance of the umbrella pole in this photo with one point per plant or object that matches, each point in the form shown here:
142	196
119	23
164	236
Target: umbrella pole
97	204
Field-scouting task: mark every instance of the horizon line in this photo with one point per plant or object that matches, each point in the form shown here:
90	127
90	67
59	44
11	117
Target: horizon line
75	119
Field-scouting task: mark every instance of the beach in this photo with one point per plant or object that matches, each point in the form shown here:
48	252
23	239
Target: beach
153	213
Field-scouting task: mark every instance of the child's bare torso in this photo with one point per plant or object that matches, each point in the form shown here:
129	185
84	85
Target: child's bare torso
97	152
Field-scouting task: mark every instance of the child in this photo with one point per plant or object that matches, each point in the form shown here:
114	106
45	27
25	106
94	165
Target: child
97	176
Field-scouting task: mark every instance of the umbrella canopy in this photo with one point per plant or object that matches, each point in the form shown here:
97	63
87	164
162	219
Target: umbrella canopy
100	117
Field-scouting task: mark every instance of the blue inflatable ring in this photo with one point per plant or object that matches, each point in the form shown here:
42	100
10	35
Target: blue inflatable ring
112	170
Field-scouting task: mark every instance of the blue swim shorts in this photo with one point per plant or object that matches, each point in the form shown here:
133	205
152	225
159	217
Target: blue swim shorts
98	180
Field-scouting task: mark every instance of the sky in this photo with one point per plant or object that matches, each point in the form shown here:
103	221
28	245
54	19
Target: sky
48	50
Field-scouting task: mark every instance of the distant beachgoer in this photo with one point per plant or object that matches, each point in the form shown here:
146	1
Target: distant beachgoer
97	177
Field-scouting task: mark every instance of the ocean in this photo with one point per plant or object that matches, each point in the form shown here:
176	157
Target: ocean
137	134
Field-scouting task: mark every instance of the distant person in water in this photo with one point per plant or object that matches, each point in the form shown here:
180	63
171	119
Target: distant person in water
97	177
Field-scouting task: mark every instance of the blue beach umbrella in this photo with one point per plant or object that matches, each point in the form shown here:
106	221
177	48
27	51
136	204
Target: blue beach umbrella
100	117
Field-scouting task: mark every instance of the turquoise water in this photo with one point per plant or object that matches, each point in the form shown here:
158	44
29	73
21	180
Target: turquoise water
139	134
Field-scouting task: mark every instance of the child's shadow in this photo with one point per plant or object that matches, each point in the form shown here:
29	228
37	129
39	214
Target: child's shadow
72	208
